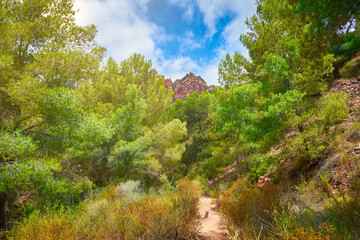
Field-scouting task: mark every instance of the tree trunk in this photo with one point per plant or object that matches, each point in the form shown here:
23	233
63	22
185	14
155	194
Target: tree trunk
336	72
3	199
238	164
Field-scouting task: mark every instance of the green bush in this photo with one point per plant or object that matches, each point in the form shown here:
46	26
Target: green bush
37	177
332	109
15	145
312	139
351	68
260	164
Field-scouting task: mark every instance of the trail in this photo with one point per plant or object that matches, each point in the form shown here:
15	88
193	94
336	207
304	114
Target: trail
211	225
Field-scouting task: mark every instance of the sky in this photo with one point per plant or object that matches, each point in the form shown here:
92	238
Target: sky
179	36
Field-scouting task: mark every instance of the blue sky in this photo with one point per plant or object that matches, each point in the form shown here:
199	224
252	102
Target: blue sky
179	36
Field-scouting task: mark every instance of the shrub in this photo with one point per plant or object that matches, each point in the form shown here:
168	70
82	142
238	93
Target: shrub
260	164
246	206
294	226
305	147
52	225
129	190
343	212
166	215
15	145
312	140
324	181
354	132
351	68
332	109
186	204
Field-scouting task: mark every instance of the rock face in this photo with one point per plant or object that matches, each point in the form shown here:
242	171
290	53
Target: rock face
168	84
187	85
352	87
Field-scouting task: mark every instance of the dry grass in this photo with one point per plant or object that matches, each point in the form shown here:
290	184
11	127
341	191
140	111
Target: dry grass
167	215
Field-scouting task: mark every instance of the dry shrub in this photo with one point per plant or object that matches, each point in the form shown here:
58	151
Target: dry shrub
247	207
146	218
51	226
343	210
344	214
292	226
325	232
169	215
187	206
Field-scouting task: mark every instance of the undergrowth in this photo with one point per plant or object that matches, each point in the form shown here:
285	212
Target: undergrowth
272	212
121	212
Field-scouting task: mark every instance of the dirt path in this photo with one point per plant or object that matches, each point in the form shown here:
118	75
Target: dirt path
211	225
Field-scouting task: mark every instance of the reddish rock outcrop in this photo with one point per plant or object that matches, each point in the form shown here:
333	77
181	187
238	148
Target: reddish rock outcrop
352	87
168	84
187	85
264	181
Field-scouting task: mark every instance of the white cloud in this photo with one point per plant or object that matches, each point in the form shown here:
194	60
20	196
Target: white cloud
189	42
243	9
212	11
188	6
123	32
189	13
176	67
218	8
210	74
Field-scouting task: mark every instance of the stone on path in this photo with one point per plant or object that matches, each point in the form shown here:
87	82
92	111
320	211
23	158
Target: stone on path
210	221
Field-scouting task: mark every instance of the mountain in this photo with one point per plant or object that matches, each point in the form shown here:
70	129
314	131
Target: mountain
187	85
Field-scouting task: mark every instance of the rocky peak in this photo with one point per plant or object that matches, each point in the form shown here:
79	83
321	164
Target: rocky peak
187	85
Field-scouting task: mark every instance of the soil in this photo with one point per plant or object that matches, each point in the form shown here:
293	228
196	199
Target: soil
211	222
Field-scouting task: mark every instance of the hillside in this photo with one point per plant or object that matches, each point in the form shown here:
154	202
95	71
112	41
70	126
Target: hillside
339	175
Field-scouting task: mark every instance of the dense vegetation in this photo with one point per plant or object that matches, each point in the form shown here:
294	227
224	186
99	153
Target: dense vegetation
97	150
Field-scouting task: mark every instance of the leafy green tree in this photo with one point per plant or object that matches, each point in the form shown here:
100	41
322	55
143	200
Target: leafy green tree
22	168
43	56
234	70
281	53
329	16
334	23
168	143
33	25
105	93
127	159
138	71
127	118
195	110
41	46
37	177
251	122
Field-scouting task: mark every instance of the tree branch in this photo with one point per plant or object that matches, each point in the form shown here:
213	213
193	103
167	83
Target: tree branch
209	121
37	125
204	134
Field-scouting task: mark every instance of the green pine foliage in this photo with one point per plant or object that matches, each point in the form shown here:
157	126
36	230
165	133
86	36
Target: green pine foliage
98	150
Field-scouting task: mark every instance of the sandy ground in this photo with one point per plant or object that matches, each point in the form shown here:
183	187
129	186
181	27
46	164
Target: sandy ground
211	225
